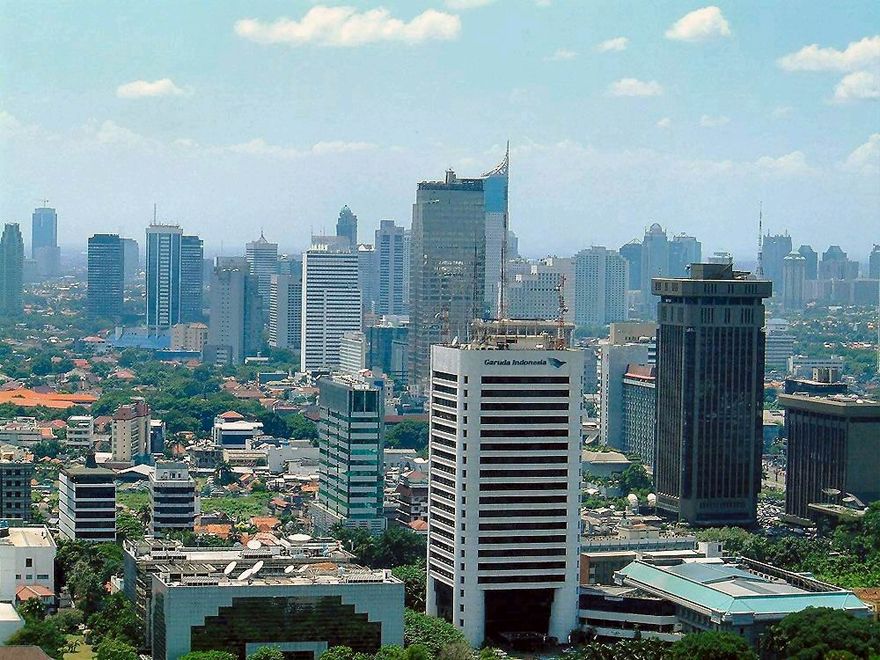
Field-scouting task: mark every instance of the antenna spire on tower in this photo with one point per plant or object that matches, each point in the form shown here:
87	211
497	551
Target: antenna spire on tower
759	271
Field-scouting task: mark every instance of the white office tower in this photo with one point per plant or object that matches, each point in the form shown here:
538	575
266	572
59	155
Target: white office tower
262	261
613	362
600	278
352	352
285	311
331	305
87	502
504	483
392	261
173	497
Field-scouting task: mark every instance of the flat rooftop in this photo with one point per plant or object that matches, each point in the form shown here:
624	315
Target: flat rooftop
29	537
348	575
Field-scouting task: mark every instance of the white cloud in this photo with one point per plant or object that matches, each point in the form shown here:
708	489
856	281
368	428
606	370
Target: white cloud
346	26
561	55
142	88
615	44
782	112
12	127
543	3
340	147
109	132
707	121
463	5
634	87
793	164
856	55
666	122
865	159
259	147
700	25
861	85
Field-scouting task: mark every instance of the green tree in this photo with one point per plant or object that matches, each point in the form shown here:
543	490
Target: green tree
634	479
208	655
85	587
115	649
390	652
336	653
33	609
432	633
456	651
44	634
129	526
267	653
711	646
116	619
68	621
44	448
816	631
408	434
414	583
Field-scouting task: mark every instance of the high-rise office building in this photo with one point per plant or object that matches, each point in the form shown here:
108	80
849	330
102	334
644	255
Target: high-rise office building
192	257
347	227
447	266
600	278
173	498
11	270
833	450
794	277
874	263
835	265
504	483
632	252
285	310
262	259
639	411
131	258
351	466
87	502
15	488
655	258
534	294
387	347
236	322
812	259
684	250
710	393
614	359
368	276
331	305
774	250
106	275
174	277
44	241
495	190
391	267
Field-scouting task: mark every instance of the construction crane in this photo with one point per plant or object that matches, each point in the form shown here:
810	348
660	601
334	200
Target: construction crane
560	343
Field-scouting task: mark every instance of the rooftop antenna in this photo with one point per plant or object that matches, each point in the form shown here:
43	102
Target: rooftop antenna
154	212
759	271
502	312
559	344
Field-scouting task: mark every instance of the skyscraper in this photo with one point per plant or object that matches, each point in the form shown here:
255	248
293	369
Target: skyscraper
794	275
391	267
812	265
347	227
710	392
504	483
351	467
11	270
684	250
131	258
835	265
368	276
655	259
632	252
106	273
331	305
495	190
874	263
447	265
775	248
262	259
600	277
192	257
236	324
174	277
44	241
285	310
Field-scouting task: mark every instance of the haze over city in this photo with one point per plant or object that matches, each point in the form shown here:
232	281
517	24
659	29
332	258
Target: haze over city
235	118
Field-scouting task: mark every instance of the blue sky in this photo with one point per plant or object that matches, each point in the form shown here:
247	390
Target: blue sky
240	116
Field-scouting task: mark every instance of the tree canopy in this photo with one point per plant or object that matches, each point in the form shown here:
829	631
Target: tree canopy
816	631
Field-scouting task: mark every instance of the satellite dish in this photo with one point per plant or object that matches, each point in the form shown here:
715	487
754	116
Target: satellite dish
228	570
289	569
256	568
254	544
245	574
301	538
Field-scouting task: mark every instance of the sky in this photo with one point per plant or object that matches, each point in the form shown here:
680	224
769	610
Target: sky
240	117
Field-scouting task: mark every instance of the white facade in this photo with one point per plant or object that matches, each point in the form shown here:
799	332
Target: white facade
173	497
87	503
392	262
778	345
130	432
27	557
331	306
613	360
236	433
80	431
285	311
600	279
494	250
534	294
352	352
262	260
504	488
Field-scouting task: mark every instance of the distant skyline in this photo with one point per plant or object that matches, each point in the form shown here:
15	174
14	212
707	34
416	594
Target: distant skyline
235	118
